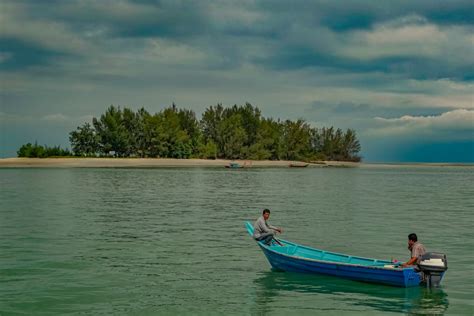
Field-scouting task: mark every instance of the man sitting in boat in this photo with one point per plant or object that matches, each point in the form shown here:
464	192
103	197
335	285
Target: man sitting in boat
264	231
416	250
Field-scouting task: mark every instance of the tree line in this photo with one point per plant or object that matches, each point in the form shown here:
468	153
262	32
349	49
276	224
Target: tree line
237	132
38	151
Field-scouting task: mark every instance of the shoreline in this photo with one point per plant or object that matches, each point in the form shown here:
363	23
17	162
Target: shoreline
76	162
155	163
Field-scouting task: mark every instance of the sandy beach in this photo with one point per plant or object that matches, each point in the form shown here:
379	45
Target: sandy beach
152	162
167	162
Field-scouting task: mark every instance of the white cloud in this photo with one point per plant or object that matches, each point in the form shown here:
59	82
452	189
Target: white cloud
58	117
173	53
227	14
48	34
384	99
456	124
6	117
119	11
4	57
466	117
411	36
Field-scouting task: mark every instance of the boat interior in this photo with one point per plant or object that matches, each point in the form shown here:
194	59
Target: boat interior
305	252
295	250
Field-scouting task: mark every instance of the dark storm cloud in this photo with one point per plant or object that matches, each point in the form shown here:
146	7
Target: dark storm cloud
20	55
363	14
341	63
304	36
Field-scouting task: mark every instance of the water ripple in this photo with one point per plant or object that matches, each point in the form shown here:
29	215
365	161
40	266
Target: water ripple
127	241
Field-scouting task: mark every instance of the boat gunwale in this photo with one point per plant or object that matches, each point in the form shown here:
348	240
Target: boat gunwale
396	269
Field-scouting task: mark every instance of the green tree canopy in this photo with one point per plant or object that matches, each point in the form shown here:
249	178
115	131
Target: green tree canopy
236	132
37	151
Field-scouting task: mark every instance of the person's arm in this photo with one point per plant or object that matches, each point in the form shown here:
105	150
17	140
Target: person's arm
278	229
410	262
418	251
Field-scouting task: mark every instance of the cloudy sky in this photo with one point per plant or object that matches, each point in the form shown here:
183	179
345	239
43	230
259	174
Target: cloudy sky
401	73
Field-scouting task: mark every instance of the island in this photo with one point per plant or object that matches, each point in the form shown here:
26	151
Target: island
221	134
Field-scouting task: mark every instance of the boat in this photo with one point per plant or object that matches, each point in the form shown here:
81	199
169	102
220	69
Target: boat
298	165
293	257
234	165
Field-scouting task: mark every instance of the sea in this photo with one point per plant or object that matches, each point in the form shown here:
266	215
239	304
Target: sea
171	241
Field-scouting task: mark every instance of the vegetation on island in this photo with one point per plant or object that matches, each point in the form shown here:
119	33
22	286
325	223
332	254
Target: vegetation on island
38	151
237	132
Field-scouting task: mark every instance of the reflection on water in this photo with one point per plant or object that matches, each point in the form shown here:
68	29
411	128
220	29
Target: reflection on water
272	286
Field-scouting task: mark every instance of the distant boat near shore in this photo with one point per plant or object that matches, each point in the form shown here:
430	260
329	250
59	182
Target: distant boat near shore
236	165
298	165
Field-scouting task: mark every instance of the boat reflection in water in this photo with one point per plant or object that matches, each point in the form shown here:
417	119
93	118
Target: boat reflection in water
284	291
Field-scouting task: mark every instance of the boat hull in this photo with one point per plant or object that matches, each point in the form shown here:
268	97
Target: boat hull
298	165
407	277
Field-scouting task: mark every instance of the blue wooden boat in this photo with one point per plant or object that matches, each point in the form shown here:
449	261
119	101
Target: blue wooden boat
297	258
234	165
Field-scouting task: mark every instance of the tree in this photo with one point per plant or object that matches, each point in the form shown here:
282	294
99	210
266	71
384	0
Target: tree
267	140
251	120
175	143
190	125
84	141
233	137
25	150
56	151
131	132
207	150
210	125
37	151
142	133
351	146
296	142
154	145
112	134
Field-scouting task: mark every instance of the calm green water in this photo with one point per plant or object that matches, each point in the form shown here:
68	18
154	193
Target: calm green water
167	241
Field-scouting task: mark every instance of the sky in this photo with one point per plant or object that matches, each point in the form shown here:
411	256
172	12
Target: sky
401	73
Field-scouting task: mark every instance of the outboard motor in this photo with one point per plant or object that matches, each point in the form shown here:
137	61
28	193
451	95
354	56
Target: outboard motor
433	265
